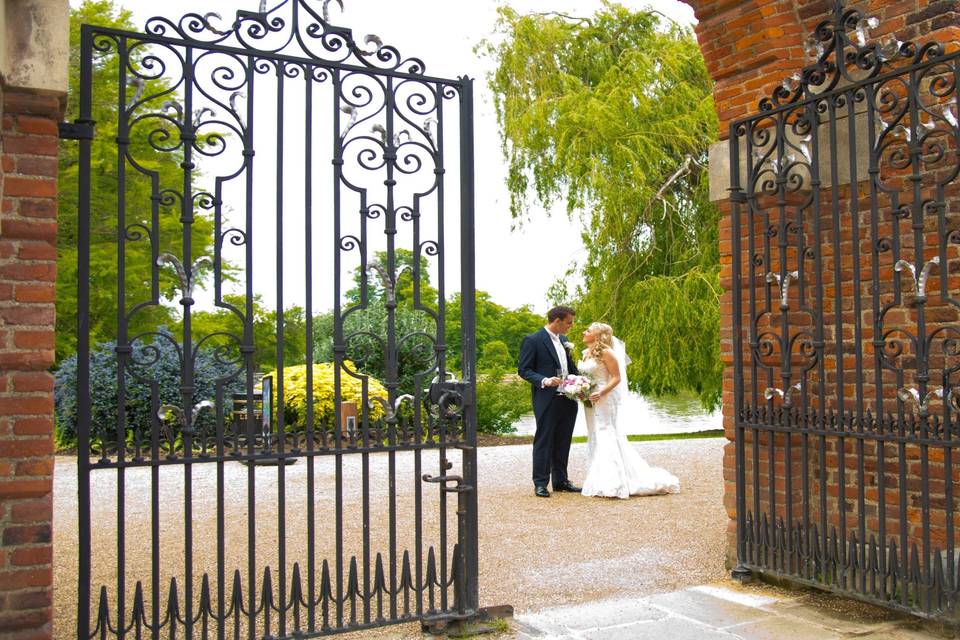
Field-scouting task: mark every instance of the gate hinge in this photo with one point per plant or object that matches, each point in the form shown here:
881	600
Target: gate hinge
77	130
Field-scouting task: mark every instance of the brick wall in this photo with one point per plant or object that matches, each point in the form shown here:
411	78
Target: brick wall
750	47
28	171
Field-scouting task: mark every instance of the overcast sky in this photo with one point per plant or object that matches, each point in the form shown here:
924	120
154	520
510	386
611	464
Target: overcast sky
515	266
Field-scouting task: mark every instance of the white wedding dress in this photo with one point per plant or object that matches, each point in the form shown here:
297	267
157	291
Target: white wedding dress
614	468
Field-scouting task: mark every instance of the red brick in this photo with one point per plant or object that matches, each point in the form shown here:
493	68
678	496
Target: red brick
26	448
31	534
33	339
27	102
30	124
31	229
45	166
6	163
24	601
30	511
38	271
33	426
7	247
27	315
23	578
14	185
33	381
37	251
25	361
33	145
35	293
34	468
31	556
6	291
26	624
24	405
38	208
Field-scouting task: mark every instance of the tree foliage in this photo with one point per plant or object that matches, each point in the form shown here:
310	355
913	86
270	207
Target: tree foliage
204	323
494	323
613	114
156	178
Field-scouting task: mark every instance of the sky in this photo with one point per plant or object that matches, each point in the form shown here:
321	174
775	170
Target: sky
516	266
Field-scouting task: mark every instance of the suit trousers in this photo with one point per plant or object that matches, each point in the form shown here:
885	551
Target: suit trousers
551	442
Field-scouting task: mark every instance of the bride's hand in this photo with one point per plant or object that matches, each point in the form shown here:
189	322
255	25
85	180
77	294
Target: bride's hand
595	396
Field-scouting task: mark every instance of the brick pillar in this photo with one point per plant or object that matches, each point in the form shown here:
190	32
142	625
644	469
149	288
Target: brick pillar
28	255
33	84
749	47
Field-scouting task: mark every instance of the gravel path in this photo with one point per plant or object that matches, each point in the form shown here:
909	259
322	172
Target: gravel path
534	553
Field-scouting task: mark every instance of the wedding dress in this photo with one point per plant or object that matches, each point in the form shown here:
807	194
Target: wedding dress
614	468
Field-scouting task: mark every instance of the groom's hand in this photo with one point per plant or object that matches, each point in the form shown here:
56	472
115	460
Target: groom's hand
551	382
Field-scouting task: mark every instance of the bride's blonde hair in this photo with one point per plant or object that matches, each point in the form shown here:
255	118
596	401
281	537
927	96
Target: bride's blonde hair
604	339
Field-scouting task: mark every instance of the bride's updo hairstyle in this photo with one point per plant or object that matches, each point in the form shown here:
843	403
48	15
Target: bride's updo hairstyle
604	339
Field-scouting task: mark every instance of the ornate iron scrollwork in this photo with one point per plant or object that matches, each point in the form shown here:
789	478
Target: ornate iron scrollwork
841	50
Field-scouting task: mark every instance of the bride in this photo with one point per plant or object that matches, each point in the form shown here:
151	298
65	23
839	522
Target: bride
615	469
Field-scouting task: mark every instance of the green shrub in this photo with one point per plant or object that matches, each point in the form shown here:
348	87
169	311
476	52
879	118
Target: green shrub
351	390
500	402
157	362
496	357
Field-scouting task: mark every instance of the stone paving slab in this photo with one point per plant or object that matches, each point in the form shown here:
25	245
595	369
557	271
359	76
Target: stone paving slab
724	611
708	608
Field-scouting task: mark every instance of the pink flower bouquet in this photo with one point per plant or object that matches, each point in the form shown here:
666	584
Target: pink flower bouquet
577	388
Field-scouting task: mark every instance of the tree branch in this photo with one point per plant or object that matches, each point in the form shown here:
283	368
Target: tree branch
557	14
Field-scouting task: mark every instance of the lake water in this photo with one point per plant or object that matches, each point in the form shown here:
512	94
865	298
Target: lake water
641	415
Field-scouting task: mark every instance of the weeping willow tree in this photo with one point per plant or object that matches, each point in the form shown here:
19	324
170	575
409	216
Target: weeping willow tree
613	114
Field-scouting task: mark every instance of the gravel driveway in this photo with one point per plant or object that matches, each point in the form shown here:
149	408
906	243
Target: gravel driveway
534	553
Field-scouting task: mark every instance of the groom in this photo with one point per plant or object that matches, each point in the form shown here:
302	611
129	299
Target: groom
544	360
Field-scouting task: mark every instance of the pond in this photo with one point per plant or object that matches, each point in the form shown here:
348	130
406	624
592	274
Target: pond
641	415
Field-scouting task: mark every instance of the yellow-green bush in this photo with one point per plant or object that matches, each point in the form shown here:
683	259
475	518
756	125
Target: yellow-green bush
351	390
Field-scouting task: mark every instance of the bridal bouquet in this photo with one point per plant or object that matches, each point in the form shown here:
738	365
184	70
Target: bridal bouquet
577	388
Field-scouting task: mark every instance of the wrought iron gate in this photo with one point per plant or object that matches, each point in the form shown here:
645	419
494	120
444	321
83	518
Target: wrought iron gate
256	175
846	328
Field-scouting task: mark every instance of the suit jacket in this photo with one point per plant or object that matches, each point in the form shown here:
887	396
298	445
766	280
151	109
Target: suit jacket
538	360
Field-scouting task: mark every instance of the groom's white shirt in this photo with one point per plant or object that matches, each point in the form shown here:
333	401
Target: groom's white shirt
561	352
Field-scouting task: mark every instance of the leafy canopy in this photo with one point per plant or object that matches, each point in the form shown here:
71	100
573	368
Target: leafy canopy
613	114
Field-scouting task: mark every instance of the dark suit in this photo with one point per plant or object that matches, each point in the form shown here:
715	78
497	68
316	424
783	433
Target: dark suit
555	414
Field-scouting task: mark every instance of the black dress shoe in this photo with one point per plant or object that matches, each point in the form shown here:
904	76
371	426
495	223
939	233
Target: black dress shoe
567	486
542	492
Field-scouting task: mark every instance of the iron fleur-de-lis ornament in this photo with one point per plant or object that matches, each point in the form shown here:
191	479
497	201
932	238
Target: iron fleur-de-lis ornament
911	394
785	395
139	84
189	429
187	280
389	284
382	132
783	284
919	280
326	8
391	412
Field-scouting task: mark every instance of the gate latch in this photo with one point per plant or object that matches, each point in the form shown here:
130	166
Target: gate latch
447	396
445	478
